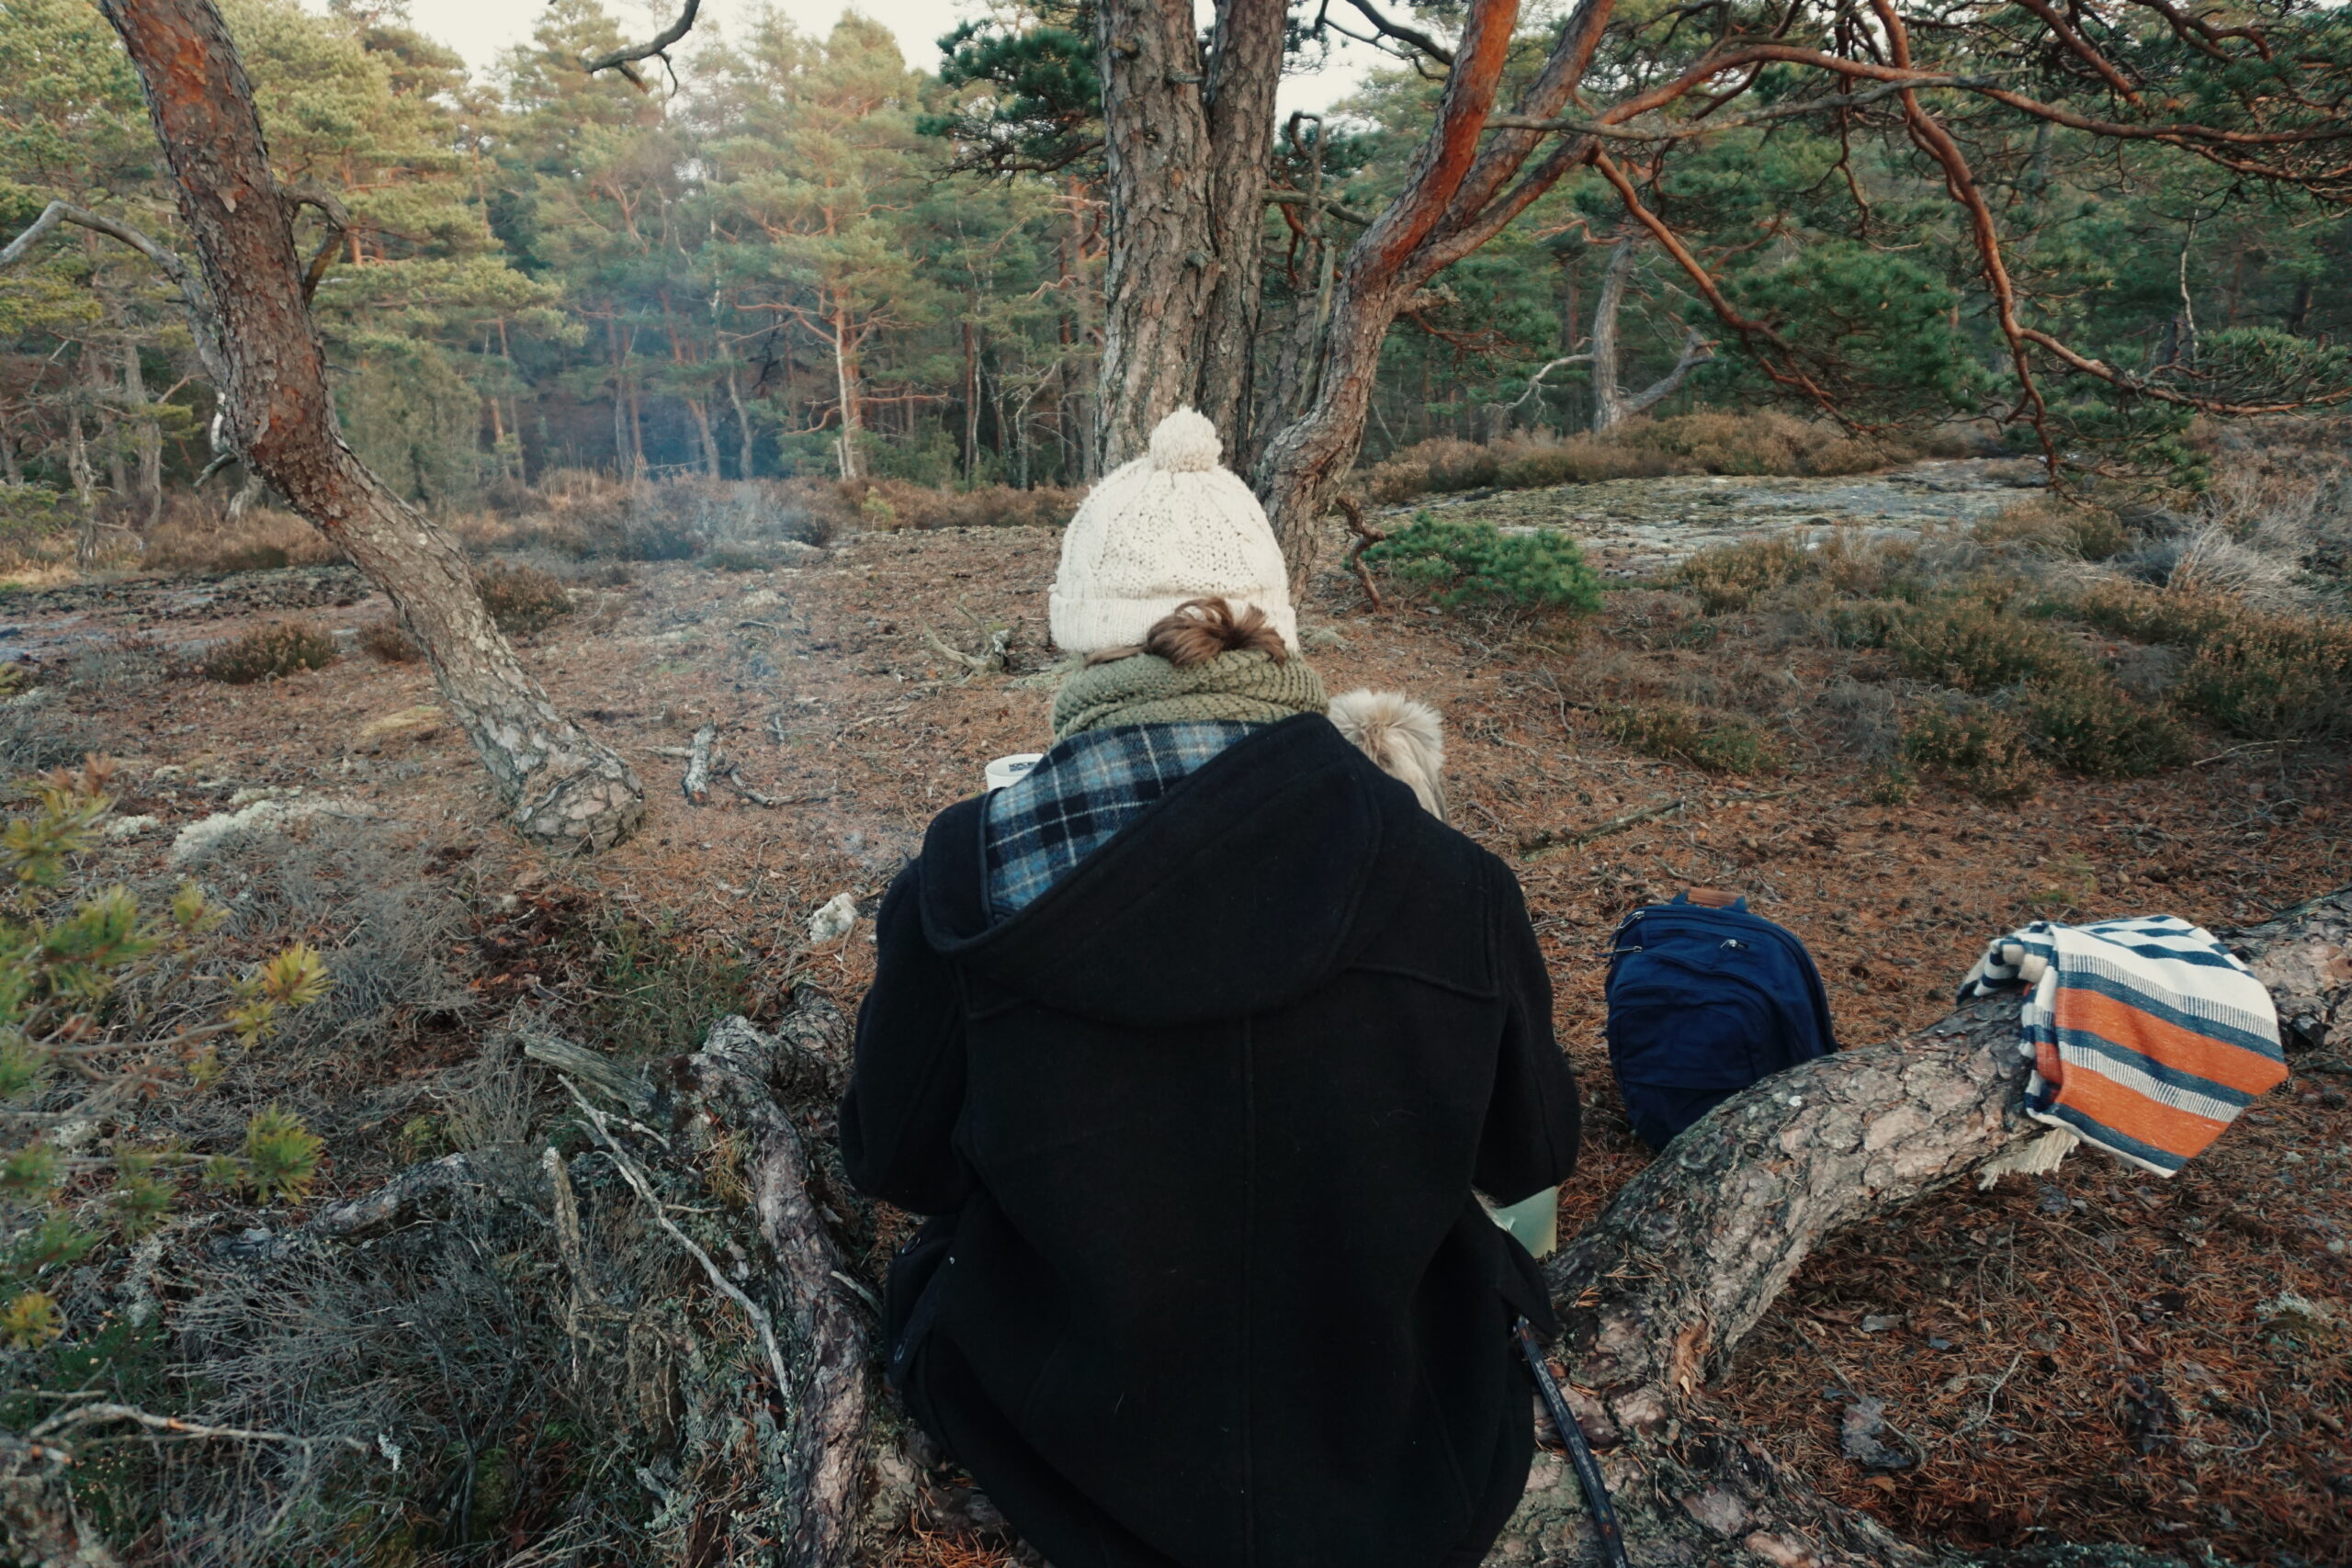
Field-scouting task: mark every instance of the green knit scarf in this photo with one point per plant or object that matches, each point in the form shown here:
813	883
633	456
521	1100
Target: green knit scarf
1145	689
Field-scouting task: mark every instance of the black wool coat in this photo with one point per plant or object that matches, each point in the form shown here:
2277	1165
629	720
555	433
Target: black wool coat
1207	1115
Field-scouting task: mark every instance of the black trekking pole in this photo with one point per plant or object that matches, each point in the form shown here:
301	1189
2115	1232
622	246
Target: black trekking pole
1564	1421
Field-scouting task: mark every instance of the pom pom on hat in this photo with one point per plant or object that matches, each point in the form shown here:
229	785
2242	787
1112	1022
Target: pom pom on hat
1185	443
1171	525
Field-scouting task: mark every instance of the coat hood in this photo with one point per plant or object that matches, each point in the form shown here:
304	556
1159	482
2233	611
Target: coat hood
1243	888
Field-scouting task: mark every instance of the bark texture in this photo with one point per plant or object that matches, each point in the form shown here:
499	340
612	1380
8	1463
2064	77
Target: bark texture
566	790
1657	1294
1468	181
734	1079
1162	264
1245	70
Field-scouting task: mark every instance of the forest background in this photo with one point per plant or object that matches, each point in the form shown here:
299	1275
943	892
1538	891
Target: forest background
803	255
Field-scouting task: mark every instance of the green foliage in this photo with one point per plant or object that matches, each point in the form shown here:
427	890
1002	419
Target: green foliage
1476	563
1877	330
70	1050
1713	742
1977	748
268	653
660	989
281	1155
1045	106
522	599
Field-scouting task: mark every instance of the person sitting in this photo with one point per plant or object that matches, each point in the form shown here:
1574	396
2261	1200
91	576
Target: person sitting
1194	1043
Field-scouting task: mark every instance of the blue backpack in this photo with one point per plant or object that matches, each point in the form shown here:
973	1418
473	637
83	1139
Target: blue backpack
1703	1000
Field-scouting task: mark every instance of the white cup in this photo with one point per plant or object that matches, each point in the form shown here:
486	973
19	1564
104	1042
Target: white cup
1013	769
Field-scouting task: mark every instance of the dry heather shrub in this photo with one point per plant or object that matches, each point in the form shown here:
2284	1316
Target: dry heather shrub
2055	527
894	503
1977	748
1713	742
386	639
192	537
2262	675
266	653
1971	645
522	599
1729	577
1764	442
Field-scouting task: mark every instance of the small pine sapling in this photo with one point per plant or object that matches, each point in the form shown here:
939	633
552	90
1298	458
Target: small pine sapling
73	1052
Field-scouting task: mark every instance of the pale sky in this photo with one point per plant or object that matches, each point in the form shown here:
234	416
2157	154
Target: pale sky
480	29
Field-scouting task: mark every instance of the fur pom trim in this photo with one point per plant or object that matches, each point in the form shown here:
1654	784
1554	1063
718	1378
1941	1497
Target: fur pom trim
1405	738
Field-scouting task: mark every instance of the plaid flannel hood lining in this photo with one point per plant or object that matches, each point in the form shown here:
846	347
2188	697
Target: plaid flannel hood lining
1084	791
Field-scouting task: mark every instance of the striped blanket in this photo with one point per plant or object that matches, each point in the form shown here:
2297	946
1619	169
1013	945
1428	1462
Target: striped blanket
2147	1037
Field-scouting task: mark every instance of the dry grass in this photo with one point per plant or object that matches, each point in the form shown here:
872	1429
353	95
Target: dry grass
1766	442
585	514
196	537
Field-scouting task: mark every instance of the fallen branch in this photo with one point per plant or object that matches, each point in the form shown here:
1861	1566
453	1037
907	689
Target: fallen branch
1366	535
84	1415
394	1201
991	662
623	1087
833	1395
726	1287
1538	844
697	783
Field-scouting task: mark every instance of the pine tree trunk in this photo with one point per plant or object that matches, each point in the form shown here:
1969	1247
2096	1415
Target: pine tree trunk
1245	71
566	790
700	412
1304	462
744	451
1608	404
148	432
1162	268
847	387
85	497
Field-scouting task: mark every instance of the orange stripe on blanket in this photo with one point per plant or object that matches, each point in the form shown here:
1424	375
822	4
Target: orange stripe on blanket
2121	1023
2110	1104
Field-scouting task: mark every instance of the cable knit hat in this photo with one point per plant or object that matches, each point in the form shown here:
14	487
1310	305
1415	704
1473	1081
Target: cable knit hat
1171	525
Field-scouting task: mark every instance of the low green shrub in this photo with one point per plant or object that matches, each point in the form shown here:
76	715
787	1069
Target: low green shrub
267	653
1713	742
523	599
1863	623
738	558
1467	563
1977	748
68	960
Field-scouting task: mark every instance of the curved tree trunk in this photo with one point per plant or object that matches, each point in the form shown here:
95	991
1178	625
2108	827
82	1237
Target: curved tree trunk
1657	1294
567	790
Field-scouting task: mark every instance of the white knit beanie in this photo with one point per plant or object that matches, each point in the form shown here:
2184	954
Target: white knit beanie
1170	526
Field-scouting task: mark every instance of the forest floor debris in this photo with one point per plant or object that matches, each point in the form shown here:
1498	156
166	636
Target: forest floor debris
2086	1354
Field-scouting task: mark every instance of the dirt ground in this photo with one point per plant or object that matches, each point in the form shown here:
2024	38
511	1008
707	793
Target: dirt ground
2097	1355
